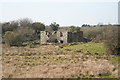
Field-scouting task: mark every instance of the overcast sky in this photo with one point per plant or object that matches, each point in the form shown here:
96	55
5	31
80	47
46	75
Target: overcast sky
64	12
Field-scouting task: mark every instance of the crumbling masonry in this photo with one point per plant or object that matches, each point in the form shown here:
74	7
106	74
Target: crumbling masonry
61	37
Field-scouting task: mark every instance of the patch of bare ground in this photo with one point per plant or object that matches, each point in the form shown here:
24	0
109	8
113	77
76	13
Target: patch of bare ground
42	62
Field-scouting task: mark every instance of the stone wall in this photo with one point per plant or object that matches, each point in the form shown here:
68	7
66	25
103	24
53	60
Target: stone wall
62	37
75	37
44	37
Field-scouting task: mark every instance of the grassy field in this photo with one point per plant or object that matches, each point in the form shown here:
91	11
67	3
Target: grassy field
91	48
73	60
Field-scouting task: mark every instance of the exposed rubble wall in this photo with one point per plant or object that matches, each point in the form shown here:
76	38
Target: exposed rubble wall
62	37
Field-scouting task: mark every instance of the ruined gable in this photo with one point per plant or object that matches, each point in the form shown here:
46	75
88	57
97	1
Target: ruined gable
61	37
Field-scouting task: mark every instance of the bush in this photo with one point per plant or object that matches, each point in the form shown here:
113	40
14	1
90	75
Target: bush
13	39
74	29
37	26
54	26
112	43
93	33
108	34
27	33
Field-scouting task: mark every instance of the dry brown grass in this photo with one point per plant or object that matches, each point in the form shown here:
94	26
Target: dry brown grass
43	62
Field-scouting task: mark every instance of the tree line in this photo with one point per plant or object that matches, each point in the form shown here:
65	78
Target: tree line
19	31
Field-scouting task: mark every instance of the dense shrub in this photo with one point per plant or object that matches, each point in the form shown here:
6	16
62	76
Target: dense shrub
37	26
85	25
108	34
111	37
74	29
93	33
13	39
5	27
27	33
54	26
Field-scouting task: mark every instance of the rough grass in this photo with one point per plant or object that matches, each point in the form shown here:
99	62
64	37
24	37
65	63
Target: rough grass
106	75
47	59
91	47
114	59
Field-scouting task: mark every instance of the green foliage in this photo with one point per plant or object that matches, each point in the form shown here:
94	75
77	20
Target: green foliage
91	47
112	42
13	39
13	25
9	26
74	29
114	59
85	25
5	27
37	26
54	26
106	75
24	27
27	33
30	31
93	33
108	34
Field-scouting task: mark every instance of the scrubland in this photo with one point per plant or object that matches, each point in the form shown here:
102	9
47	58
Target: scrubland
72	60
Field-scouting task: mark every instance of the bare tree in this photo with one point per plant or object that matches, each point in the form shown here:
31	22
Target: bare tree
26	22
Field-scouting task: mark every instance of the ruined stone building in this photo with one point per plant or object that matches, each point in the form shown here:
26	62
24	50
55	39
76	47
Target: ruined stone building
61	37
